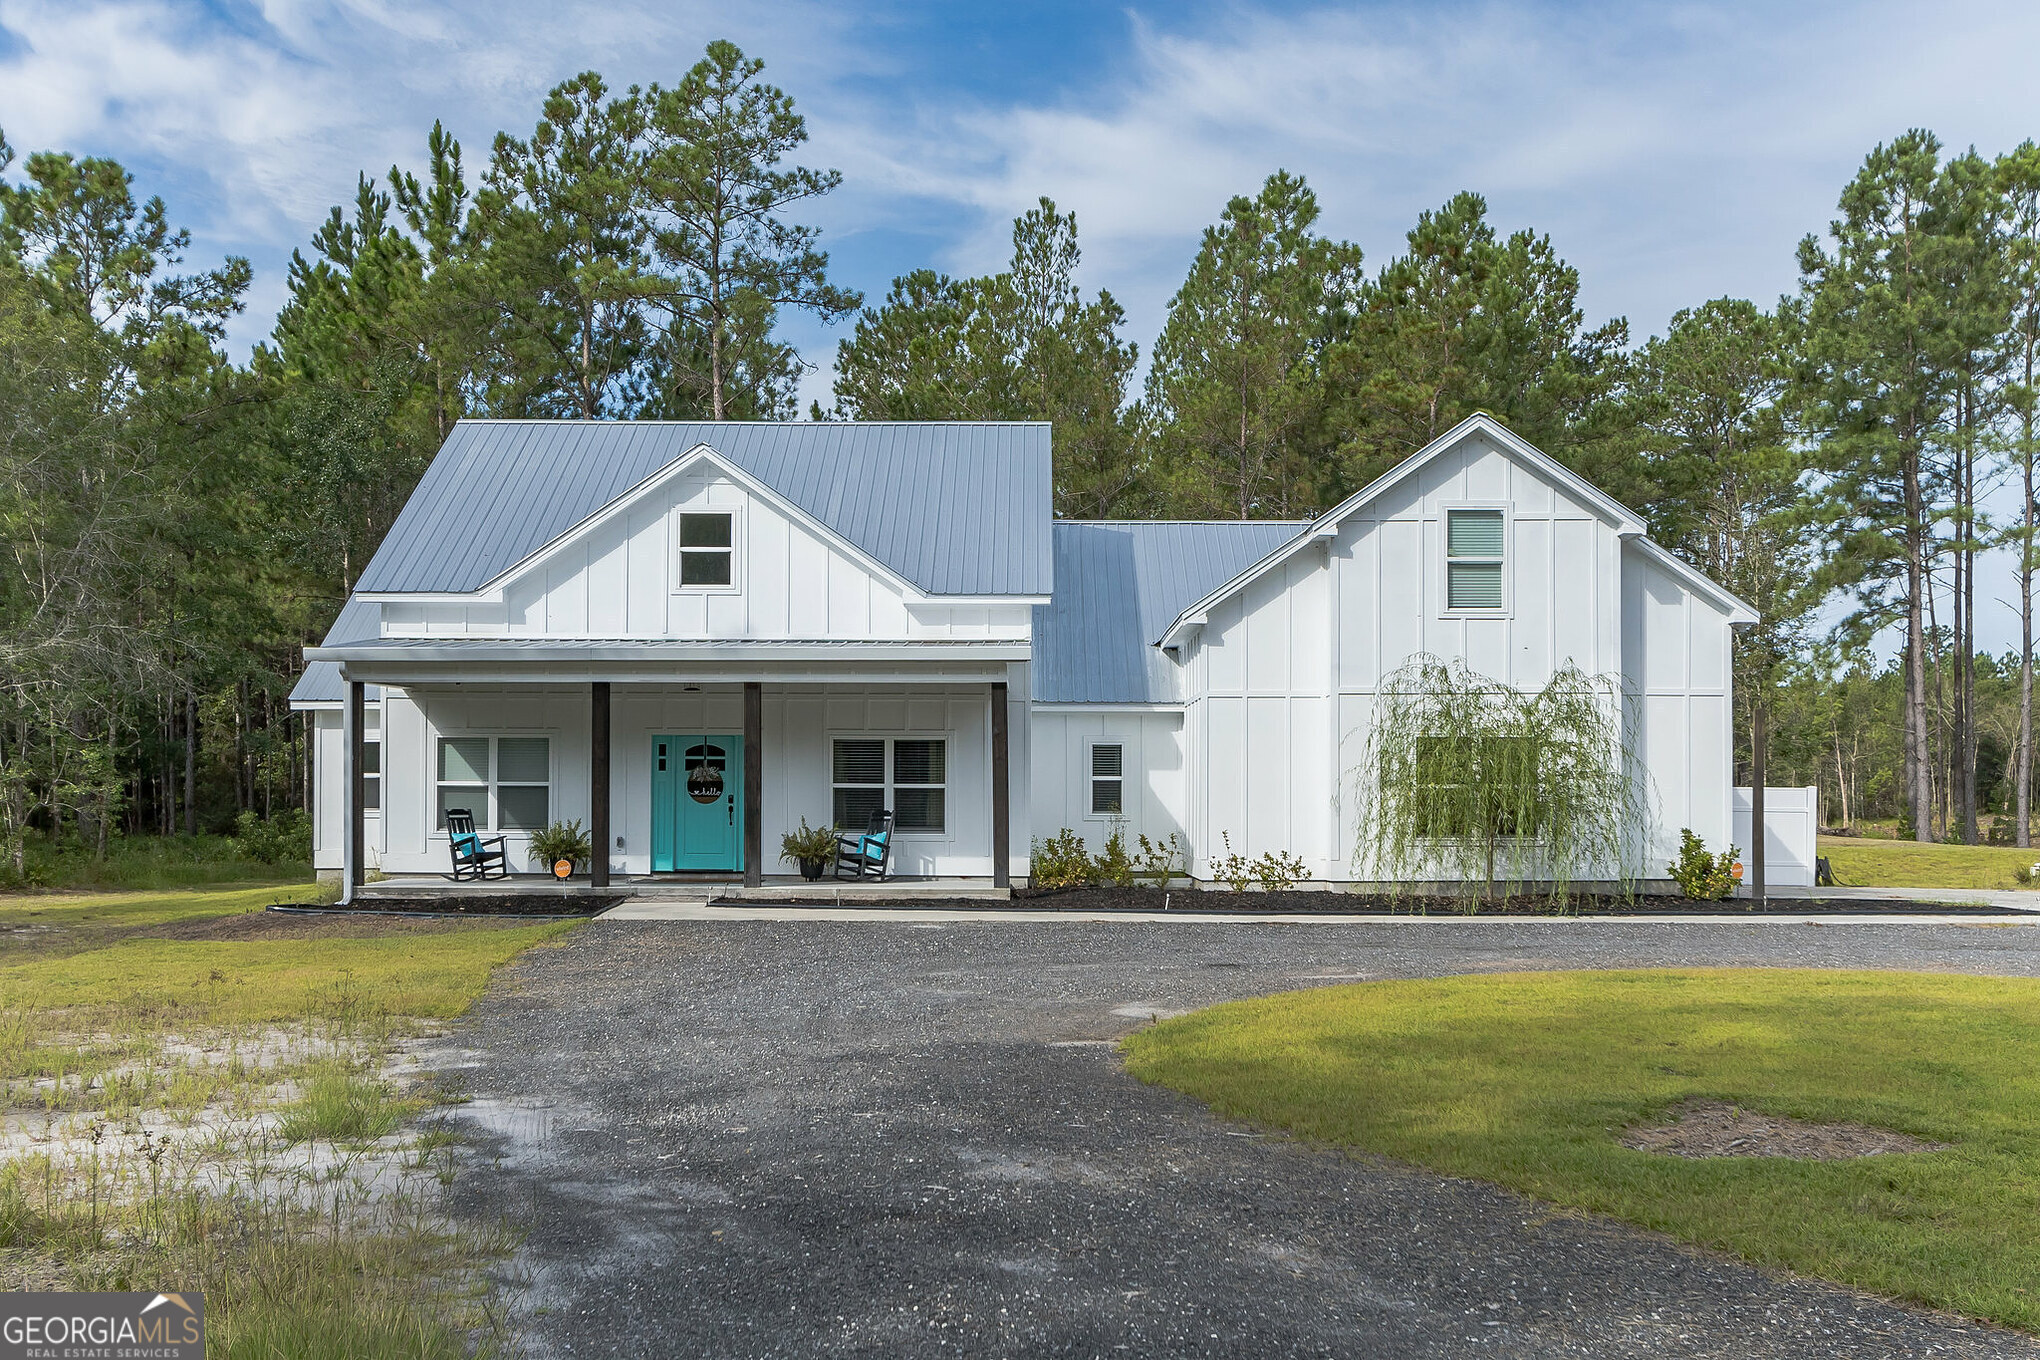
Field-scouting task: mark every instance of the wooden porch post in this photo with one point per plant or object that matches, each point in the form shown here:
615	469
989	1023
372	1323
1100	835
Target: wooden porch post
754	774
1002	814
356	871
598	783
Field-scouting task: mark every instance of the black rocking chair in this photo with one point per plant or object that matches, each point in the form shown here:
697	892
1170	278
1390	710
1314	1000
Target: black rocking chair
474	855
868	855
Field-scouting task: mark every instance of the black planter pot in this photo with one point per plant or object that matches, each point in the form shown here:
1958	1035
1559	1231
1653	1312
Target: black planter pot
811	869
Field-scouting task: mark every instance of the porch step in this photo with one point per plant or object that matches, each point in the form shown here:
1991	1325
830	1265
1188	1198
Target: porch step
891	889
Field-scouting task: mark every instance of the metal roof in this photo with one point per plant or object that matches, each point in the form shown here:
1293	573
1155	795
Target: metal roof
359	621
1119	584
954	508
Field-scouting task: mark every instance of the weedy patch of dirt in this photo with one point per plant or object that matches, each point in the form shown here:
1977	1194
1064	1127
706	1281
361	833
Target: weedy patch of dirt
1715	1128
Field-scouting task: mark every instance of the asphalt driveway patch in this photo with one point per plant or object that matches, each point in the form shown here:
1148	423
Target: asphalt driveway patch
756	1138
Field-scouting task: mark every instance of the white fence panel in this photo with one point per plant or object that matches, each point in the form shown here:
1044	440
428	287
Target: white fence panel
1791	821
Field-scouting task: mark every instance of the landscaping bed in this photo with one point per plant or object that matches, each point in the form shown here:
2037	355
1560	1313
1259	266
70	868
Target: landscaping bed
1303	901
493	904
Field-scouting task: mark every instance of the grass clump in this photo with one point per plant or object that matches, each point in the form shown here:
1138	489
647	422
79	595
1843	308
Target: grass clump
1527	1080
341	1104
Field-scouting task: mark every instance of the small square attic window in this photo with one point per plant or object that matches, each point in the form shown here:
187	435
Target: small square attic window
707	549
1473	559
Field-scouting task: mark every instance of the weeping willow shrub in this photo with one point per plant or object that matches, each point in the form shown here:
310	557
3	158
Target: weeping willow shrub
1466	780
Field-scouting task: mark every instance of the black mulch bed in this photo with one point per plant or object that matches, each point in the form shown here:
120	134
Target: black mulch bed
494	904
1195	901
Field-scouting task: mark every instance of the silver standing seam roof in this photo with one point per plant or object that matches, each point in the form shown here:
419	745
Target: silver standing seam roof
1118	585
957	509
320	683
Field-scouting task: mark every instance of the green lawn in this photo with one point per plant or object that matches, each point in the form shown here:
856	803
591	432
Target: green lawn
1525	1080
98	958
1863	862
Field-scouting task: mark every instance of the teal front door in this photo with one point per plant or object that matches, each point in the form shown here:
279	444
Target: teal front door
697	802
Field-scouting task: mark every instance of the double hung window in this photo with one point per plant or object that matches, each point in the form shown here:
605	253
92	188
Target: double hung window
910	775
1474	547
708	549
505	781
371	776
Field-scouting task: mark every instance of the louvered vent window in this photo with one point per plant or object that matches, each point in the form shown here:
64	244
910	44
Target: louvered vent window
1108	779
1473	559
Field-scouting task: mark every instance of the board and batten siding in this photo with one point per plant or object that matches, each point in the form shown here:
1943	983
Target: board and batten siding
1155	778
1677	677
616	579
798	723
329	813
1281	680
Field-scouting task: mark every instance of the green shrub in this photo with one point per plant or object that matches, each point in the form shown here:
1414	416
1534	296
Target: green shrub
1114	866
1061	861
1234	870
1277	870
1702	876
562	840
285	838
1158	863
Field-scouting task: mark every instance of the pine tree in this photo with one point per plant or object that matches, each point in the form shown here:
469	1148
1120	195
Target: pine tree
1729	488
2019	181
1879	384
718	200
1465	321
1235	399
1023	344
565	256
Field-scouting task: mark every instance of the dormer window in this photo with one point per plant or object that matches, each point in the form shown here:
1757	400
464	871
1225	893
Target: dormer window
707	549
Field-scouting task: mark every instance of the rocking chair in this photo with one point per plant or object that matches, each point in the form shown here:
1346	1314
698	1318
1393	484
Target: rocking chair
474	856
868	855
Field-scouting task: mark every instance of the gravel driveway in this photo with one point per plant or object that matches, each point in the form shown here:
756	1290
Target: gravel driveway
761	1138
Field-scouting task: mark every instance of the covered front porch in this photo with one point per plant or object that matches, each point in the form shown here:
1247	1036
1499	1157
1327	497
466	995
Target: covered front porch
688	888
684	765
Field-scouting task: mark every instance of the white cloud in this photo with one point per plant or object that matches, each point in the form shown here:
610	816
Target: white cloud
1674	152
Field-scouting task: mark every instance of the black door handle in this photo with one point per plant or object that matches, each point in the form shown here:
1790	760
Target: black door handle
732	801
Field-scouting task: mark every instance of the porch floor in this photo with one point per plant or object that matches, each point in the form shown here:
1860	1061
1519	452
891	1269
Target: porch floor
688	888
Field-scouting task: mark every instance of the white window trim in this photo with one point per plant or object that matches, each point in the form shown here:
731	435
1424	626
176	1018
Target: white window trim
435	832
1090	779
376	778
948	784
736	518
1507	609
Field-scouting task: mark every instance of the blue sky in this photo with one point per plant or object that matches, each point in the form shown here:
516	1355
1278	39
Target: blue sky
1675	152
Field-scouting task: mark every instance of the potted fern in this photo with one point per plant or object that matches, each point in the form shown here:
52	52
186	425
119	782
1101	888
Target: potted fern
811	847
562	841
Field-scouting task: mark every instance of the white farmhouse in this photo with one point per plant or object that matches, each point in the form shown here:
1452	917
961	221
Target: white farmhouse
691	637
